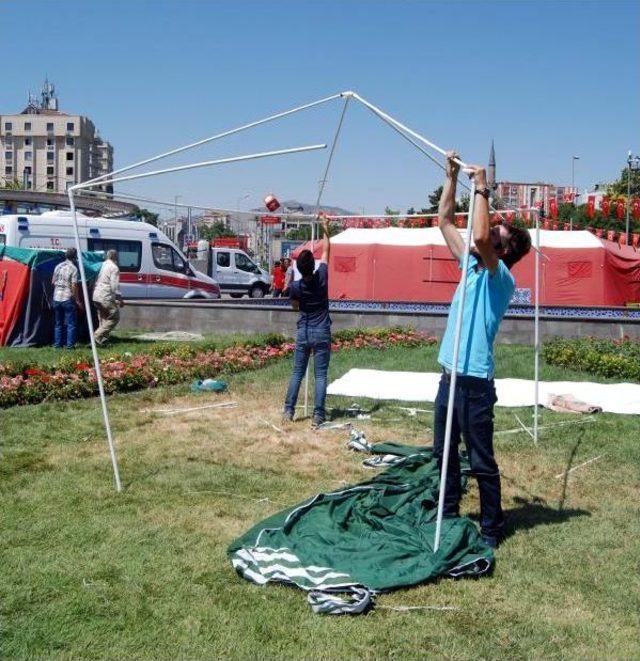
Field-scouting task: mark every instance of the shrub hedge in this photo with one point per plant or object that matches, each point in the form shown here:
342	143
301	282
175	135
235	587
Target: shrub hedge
611	358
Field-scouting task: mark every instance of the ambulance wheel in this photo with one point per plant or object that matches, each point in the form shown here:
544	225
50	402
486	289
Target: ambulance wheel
256	292
236	295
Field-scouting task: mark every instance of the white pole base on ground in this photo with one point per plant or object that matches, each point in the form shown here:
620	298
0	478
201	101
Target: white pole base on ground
454	372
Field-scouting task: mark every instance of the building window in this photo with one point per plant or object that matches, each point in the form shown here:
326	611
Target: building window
69	171
69	126
69	141
69	155
27	126
49	142
8	126
28	156
27	142
27	169
8	156
50	156
8	169
49	126
50	170
49	185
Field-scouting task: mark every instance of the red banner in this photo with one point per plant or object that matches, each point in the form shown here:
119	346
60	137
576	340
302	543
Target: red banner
553	207
591	205
620	209
270	220
605	206
635	208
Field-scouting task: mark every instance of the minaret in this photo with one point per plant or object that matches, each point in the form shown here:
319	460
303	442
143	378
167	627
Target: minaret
491	170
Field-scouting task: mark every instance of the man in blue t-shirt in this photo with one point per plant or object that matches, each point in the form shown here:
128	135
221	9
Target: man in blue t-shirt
490	286
310	296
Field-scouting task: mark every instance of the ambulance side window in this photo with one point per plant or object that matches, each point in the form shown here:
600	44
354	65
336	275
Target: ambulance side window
167	259
129	252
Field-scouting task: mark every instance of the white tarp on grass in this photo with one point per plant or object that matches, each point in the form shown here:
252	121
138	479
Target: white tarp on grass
423	386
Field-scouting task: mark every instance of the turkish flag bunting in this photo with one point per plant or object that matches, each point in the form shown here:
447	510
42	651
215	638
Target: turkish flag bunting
635	239
622	239
524	214
591	205
459	221
611	235
620	209
546	224
509	216
599	232
635	208
566	227
605	206
554	227
553	207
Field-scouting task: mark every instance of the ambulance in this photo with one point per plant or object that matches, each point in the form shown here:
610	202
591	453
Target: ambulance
151	266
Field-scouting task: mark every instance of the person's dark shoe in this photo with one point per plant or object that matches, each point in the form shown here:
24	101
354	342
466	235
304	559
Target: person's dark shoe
287	416
491	542
316	421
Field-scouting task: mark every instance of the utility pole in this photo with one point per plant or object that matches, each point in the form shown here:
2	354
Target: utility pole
573	185
633	163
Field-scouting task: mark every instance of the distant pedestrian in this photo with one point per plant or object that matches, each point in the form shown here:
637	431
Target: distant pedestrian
288	277
107	297
278	279
66	295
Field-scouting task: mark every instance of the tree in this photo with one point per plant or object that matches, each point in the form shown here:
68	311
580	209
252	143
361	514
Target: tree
434	200
147	216
619	187
12	184
216	230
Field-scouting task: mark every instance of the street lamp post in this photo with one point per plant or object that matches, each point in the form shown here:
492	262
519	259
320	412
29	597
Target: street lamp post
633	163
573	184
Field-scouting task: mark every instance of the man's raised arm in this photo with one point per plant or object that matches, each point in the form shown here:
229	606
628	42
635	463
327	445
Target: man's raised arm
326	243
481	226
447	208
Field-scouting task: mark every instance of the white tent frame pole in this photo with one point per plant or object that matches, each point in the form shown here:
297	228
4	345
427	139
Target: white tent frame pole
394	122
323	183
454	372
94	348
202	164
536	331
218	136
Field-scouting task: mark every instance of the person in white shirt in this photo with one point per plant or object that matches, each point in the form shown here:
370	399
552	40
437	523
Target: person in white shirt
107	297
66	295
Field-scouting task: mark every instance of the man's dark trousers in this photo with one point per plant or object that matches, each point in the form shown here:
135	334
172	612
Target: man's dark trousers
473	418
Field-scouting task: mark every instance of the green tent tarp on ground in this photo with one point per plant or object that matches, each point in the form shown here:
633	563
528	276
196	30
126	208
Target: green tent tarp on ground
374	536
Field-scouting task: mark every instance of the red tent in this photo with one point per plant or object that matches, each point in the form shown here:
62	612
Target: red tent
401	264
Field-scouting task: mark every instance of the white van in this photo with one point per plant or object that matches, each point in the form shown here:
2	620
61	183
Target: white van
150	264
237	274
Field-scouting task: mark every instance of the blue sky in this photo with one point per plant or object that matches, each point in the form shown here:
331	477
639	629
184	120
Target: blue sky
546	80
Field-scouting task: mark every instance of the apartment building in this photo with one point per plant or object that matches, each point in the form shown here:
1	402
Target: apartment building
44	149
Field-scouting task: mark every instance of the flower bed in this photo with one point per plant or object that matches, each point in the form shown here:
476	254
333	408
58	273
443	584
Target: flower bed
613	358
169	364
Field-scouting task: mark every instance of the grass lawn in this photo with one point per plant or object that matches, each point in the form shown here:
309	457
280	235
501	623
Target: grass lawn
90	573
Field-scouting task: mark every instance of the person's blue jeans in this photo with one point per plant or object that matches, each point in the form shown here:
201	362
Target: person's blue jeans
473	419
317	341
65	319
